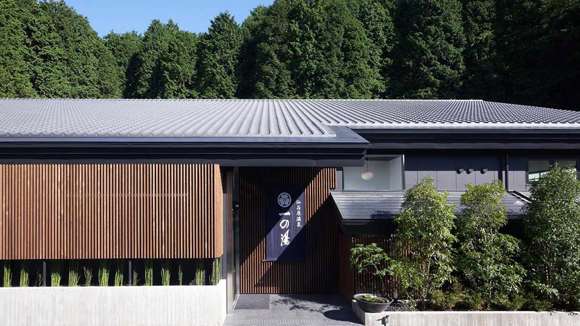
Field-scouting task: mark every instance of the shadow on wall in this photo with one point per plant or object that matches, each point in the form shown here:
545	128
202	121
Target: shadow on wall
317	272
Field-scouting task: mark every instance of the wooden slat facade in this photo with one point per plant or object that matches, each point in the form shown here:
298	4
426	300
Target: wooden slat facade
102	211
352	282
318	272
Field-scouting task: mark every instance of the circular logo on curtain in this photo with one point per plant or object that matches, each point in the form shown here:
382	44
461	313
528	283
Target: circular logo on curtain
284	199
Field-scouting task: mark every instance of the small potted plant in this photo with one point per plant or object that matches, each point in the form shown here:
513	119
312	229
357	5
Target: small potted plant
371	259
371	303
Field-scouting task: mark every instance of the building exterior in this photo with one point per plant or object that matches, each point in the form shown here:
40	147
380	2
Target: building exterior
267	195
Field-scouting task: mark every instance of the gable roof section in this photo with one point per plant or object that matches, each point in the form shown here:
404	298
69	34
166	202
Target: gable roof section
324	121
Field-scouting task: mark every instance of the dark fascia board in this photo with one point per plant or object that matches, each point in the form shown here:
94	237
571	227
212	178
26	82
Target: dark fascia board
387	226
257	162
345	149
343	137
474	139
327	157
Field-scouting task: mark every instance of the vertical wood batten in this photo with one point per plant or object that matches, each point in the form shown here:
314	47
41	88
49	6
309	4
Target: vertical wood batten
91	211
317	273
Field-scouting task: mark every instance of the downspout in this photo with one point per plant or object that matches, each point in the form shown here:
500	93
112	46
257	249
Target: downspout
506	171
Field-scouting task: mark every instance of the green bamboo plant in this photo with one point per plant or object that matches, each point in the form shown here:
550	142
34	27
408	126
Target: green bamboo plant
103	274
199	278
24	279
165	274
7	275
73	274
179	274
216	271
119	275
55	274
148	273
88	274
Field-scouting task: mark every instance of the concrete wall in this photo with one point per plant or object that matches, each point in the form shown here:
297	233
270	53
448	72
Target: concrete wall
467	318
492	318
111	306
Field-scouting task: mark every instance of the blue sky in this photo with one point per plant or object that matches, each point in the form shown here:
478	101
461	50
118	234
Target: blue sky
128	15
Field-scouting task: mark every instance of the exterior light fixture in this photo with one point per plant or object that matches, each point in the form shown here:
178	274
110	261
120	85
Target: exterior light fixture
469	171
460	170
483	171
367	175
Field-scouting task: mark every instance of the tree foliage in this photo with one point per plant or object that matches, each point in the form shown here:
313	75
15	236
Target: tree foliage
85	66
370	258
552	243
248	63
540	51
15	54
124	48
424	235
429	54
49	50
481	77
219	49
485	257
314	49
376	16
518	51
165	66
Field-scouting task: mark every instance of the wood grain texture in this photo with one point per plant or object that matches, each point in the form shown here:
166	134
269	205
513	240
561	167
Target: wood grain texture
352	282
317	273
99	211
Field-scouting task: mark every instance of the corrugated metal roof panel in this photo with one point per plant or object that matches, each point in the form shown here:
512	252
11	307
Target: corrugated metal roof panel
379	205
47	118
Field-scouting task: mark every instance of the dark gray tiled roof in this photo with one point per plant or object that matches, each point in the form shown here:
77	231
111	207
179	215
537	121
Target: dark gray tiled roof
377	205
43	118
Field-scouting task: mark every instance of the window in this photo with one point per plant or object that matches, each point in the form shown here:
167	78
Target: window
377	174
537	168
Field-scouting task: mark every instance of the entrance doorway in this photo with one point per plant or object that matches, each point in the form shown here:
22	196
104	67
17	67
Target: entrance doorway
317	270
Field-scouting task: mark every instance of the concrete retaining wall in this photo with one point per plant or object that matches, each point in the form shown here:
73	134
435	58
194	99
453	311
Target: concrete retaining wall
468	318
95	306
489	318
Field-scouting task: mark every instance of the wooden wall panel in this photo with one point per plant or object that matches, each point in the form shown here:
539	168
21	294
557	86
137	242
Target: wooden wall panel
352	282
318	272
92	211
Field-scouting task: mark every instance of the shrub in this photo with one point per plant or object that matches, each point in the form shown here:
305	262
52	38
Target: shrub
370	259
485	258
119	275
446	300
552	238
179	274
425	241
216	271
6	274
165	274
103	274
24	279
73	274
148	273
88	274
199	277
55	274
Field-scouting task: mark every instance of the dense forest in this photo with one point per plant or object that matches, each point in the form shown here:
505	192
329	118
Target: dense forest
519	51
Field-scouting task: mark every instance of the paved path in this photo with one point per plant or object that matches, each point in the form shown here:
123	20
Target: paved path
291	310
